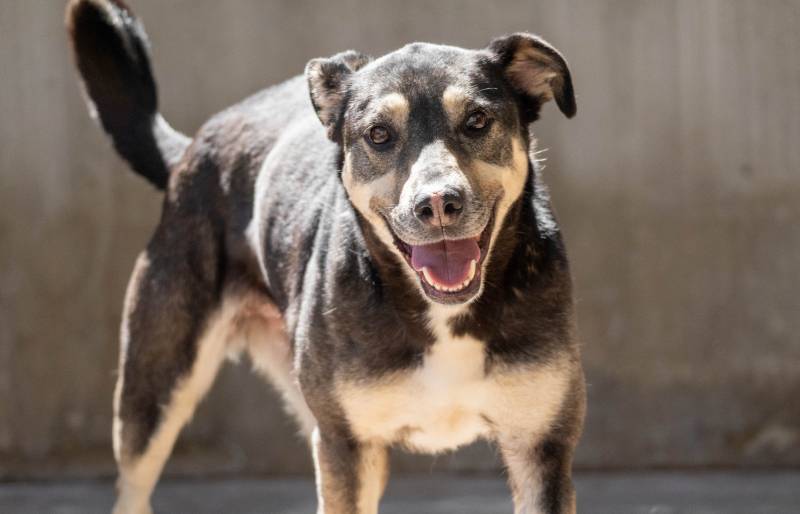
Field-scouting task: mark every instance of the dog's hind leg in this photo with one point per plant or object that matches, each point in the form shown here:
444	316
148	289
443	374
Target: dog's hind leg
270	351
173	341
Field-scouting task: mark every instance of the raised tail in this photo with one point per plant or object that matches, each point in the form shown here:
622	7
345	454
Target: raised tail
111	53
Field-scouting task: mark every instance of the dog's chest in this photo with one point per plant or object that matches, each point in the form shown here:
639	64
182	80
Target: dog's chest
441	405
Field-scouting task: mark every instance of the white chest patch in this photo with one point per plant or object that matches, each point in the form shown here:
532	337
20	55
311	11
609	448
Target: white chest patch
450	401
436	407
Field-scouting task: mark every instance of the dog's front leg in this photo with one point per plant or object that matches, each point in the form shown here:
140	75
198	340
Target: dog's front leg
351	475
539	474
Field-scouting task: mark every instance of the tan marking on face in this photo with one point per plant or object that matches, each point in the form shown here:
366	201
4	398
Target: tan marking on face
453	99
367	197
395	106
510	180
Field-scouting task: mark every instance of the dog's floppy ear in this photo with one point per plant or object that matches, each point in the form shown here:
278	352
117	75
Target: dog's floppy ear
327	84
536	70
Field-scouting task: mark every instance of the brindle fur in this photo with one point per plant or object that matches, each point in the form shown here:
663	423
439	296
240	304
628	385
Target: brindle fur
260	246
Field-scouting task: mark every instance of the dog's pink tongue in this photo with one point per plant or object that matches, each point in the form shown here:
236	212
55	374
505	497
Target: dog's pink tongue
447	261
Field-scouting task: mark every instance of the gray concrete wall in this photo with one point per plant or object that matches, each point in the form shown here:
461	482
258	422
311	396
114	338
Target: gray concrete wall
678	187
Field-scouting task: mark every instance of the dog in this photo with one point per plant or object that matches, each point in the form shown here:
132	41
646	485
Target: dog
376	236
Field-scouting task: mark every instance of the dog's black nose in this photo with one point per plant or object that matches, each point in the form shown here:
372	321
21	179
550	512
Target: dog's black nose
440	208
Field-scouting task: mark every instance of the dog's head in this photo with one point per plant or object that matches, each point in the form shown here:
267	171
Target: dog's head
435	142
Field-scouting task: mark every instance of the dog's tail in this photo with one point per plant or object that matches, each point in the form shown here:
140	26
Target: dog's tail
111	53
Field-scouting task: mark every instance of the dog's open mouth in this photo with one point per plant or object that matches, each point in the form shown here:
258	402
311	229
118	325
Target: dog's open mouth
449	270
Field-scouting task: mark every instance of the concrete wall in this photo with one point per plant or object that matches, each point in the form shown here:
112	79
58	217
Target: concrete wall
678	186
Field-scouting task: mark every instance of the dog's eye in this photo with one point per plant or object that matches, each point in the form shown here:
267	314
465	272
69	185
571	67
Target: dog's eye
477	122
379	135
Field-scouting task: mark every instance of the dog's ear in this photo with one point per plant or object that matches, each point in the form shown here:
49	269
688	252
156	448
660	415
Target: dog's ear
536	70
327	85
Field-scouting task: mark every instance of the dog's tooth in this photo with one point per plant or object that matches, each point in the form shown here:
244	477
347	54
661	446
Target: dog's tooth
448	289
473	266
427	276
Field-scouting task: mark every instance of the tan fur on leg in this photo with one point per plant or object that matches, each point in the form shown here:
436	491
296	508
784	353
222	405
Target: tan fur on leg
138	474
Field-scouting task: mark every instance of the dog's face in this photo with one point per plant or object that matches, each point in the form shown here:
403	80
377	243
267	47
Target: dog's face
435	146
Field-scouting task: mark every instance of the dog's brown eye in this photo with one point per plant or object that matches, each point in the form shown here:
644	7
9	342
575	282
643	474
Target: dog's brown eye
379	135
477	121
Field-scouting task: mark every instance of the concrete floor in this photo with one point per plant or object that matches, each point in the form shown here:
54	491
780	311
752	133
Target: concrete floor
628	493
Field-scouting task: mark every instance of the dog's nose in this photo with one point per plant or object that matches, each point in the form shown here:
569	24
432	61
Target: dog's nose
441	208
